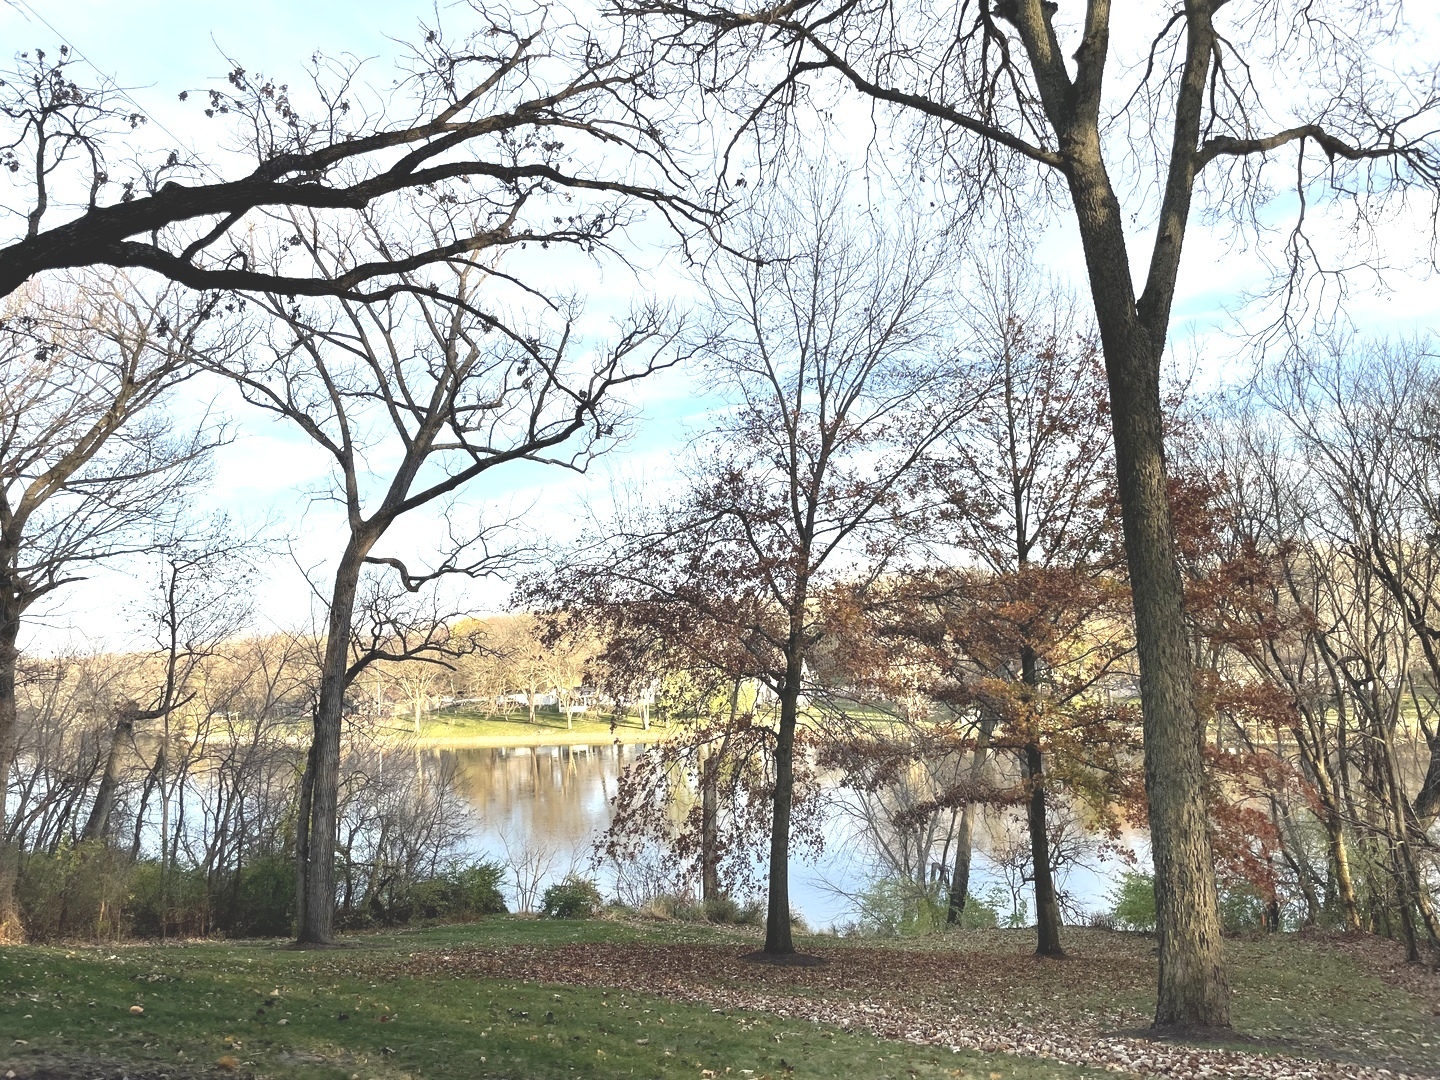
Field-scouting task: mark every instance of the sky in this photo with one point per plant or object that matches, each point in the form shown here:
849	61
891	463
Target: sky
158	48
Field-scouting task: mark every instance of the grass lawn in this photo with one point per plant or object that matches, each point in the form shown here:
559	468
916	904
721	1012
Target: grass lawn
521	998
264	1010
474	727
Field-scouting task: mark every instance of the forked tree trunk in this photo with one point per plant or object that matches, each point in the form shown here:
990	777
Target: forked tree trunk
965	837
960	869
1193	990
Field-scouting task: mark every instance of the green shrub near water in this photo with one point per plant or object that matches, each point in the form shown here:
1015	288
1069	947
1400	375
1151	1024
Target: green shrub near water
461	892
78	891
91	891
727	911
1242	908
573	897
1134	900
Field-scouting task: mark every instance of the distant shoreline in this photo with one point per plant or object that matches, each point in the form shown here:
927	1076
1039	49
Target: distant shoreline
536	737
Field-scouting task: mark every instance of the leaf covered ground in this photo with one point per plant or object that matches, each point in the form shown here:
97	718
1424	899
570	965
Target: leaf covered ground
524	998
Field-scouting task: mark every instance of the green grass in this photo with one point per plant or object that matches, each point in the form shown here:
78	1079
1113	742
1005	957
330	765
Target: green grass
392	1005
68	1008
475	725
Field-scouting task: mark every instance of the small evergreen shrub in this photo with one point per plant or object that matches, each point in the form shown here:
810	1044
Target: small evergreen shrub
261	899
573	897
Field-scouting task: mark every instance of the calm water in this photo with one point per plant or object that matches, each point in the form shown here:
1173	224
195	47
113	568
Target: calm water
554	802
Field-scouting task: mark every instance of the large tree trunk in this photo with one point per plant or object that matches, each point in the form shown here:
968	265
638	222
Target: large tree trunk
315	840
10	927
1193	990
777	914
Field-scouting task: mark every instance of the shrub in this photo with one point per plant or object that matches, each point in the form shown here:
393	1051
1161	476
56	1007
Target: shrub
895	906
728	911
261	900
573	897
461	892
674	906
79	891
168	901
1242	910
1134	900
982	912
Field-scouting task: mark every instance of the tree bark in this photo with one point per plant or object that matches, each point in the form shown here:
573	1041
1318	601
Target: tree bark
709	827
965	839
11	929
99	820
315	842
1193	990
1047	904
777	915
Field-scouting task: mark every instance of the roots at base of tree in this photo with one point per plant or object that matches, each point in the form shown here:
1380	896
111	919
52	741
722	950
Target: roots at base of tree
790	959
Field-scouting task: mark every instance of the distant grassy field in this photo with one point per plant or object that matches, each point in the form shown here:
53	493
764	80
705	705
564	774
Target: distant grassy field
467	726
522	998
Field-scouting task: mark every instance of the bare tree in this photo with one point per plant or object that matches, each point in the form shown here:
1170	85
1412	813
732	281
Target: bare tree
91	466
489	134
1021	102
829	328
451	397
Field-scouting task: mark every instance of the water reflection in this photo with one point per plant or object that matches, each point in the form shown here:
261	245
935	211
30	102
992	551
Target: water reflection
556	800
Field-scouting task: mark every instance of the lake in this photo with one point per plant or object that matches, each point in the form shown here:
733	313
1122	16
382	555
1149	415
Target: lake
541	809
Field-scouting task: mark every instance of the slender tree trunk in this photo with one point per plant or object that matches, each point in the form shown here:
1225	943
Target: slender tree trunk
99	819
315	846
709	826
1340	864
710	807
1047	904
10	926
960	869
777	916
302	834
965	837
